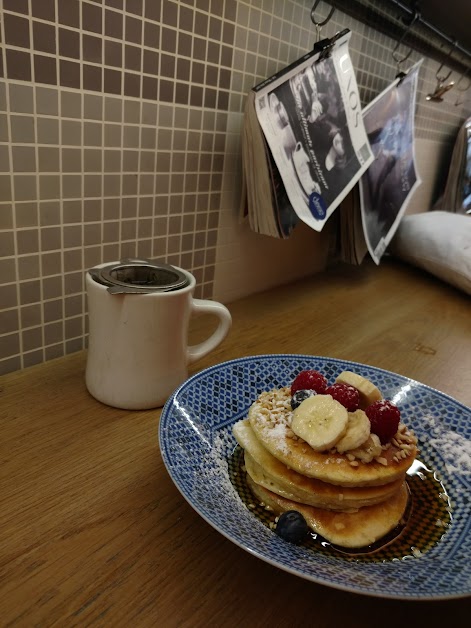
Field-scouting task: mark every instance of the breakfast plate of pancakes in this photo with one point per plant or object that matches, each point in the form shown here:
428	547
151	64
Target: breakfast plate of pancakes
395	530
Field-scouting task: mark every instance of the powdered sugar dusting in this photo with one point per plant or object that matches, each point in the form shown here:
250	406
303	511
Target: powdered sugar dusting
217	474
278	434
453	447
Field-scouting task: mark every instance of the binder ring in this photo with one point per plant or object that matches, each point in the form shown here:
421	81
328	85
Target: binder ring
399	61
442	79
324	22
461	89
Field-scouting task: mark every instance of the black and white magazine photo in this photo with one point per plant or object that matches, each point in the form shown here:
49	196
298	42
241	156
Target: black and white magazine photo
388	185
312	121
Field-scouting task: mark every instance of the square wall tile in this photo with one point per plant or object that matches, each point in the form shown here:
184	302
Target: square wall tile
120	136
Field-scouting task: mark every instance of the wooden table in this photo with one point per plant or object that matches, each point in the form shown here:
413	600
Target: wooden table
94	532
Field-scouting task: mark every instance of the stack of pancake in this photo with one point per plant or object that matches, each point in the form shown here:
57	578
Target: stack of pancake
350	499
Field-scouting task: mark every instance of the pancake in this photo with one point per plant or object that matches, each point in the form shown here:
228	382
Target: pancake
327	496
275	476
353	530
270	418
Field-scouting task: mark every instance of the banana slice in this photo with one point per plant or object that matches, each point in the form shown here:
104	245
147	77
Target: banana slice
358	430
368	391
369	449
320	421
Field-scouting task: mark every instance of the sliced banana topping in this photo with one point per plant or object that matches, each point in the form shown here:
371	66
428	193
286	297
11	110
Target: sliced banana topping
369	393
320	421
368	450
358	430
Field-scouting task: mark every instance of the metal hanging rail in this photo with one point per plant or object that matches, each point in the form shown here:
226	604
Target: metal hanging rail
419	37
431	27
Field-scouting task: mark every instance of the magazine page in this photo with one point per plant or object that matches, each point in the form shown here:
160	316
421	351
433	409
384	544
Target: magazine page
284	215
311	117
387	187
256	177
465	188
457	194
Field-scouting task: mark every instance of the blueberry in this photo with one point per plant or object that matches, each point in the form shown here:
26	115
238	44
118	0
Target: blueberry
299	396
292	527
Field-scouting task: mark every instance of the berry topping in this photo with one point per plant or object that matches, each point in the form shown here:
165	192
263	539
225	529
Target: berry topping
299	396
309	380
384	417
292	527
345	394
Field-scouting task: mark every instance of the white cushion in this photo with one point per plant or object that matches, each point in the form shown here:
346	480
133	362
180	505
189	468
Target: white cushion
439	242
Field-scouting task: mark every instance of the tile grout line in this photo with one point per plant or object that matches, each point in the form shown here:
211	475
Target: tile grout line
61	183
139	160
14	219
82	155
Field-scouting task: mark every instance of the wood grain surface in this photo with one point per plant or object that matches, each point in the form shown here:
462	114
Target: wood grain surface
94	532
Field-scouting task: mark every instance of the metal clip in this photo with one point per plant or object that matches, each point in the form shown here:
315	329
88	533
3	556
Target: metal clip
441	88
325	46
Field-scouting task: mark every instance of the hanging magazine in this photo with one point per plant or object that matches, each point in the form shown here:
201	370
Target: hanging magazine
457	195
387	187
312	147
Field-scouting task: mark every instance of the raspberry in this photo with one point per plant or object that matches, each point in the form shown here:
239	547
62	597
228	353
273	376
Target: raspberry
309	380
384	417
345	394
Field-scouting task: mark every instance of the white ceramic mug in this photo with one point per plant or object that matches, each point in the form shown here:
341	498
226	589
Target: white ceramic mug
138	350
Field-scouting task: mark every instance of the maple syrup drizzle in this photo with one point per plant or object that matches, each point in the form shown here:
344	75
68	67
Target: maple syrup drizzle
425	521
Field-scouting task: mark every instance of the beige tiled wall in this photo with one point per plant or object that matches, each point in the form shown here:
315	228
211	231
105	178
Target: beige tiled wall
120	136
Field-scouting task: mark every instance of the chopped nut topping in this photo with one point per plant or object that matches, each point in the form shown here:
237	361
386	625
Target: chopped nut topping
274	409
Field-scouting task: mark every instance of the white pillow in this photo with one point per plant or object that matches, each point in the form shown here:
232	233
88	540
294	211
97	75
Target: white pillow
439	242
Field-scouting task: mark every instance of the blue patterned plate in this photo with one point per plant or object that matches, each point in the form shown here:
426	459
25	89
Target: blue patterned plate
197	446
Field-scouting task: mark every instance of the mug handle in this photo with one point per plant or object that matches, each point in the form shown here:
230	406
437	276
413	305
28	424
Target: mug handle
204	306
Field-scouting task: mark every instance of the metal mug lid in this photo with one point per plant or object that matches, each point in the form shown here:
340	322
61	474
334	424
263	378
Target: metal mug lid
139	276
